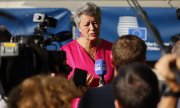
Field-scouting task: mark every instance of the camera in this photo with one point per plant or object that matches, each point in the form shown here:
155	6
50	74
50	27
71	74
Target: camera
44	21
39	17
25	56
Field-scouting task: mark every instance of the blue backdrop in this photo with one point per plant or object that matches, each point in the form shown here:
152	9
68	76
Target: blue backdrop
163	18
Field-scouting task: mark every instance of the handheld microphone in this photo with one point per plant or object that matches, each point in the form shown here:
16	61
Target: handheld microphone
101	70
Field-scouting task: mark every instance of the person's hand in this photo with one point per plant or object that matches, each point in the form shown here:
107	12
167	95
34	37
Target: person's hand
163	67
100	85
89	80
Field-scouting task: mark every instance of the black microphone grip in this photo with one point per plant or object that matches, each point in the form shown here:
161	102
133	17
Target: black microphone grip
101	80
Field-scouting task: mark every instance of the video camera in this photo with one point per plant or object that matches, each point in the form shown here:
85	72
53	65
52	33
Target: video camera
25	56
44	21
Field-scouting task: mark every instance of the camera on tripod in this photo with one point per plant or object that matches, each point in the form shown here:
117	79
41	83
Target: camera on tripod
24	56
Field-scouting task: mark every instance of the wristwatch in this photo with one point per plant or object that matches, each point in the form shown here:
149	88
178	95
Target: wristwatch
169	92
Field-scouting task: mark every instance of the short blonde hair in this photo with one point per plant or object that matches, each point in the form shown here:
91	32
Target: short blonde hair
88	8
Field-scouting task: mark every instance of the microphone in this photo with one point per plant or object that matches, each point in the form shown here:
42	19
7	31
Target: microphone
101	70
63	36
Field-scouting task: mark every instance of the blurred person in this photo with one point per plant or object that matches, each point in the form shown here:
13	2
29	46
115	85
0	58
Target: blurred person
57	68
89	47
43	91
174	49
175	44
127	49
164	68
5	36
136	86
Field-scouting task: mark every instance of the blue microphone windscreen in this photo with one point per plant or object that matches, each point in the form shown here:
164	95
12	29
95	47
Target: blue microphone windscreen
100	67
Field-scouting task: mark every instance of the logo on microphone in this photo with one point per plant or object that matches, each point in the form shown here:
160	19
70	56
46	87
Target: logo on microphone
129	25
100	67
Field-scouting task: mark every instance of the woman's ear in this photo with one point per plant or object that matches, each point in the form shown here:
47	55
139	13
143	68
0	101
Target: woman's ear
117	104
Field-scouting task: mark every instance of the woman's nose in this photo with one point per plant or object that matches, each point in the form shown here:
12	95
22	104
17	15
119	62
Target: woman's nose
91	26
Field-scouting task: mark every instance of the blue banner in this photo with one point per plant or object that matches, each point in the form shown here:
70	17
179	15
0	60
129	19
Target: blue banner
117	21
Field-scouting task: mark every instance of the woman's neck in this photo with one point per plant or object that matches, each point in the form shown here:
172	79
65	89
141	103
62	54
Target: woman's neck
89	46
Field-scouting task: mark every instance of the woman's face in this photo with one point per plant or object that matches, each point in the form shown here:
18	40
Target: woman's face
89	26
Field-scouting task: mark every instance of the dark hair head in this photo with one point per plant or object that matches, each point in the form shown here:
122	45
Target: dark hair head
136	87
128	49
174	39
174	45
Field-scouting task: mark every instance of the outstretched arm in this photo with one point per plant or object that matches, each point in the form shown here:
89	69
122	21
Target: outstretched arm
163	67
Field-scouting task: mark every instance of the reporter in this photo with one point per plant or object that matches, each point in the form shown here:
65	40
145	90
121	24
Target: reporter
164	68
43	91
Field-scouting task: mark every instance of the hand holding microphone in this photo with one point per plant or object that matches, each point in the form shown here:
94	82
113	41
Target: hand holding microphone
101	70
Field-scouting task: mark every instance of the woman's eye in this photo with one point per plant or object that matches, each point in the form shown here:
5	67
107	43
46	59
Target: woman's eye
86	25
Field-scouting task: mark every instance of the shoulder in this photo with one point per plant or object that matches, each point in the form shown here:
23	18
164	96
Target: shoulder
69	45
97	98
106	43
100	90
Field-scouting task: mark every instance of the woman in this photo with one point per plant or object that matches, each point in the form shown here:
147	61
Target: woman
89	47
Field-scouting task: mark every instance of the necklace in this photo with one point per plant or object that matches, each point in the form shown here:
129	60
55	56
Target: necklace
92	53
89	49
